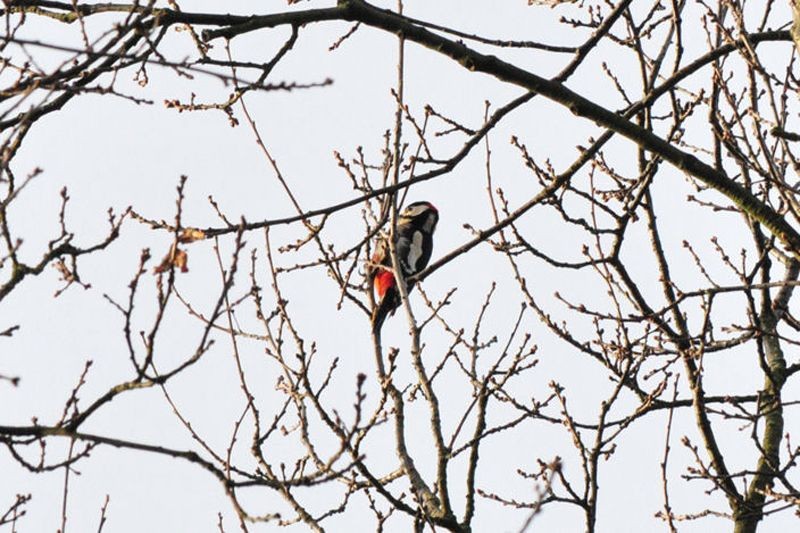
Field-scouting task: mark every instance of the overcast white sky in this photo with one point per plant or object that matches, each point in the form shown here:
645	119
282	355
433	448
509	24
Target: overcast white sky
110	152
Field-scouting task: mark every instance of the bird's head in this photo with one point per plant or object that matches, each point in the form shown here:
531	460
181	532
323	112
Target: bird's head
421	214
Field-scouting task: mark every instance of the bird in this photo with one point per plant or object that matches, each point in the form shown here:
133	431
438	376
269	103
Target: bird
413	238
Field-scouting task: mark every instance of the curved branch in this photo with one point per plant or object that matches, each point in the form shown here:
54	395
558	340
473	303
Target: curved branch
360	11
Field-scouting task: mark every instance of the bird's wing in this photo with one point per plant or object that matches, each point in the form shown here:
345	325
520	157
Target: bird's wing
410	252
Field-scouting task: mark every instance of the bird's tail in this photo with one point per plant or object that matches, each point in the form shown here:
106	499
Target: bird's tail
379	314
388	305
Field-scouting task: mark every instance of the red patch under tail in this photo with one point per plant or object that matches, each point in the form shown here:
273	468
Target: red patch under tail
384	280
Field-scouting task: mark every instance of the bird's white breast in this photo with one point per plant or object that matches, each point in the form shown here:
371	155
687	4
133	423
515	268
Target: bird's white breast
414	252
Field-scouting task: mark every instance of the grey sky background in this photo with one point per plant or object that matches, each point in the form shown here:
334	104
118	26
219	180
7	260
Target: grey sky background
113	153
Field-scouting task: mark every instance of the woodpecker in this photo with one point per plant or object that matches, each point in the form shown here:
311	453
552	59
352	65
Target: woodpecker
413	239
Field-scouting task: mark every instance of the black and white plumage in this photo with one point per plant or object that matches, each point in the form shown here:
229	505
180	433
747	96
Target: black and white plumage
414	244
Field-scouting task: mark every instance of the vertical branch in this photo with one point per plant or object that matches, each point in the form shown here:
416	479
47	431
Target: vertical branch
770	407
65	491
667	515
693	373
436	506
